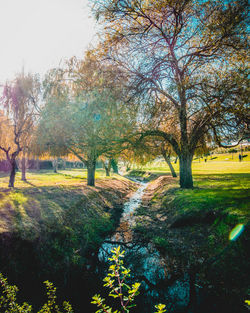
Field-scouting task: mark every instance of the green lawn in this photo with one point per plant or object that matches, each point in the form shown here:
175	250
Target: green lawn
227	195
222	164
49	178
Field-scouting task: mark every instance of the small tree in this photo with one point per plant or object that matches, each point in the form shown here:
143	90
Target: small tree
18	106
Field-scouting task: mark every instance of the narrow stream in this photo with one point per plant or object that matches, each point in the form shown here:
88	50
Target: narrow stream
144	260
123	234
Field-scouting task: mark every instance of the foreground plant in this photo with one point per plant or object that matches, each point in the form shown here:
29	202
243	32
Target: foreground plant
116	282
8	302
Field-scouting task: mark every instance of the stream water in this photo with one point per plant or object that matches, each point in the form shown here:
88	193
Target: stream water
145	262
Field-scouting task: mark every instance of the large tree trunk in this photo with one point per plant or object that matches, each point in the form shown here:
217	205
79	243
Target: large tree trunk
91	165
114	166
107	171
167	159
12	173
186	177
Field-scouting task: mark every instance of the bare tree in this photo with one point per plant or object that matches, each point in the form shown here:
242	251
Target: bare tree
186	57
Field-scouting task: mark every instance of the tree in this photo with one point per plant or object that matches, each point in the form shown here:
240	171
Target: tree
18	106
190	55
84	114
85	126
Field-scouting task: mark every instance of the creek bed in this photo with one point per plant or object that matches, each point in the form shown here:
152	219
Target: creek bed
145	262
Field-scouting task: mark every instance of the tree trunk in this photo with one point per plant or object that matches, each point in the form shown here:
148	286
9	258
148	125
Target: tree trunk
91	164
23	166
114	166
12	173
55	164
37	164
107	171
167	159
186	177
106	167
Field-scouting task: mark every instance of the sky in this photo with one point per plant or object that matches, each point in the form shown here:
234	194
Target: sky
37	34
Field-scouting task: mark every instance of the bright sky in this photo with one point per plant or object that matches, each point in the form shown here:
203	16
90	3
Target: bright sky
37	34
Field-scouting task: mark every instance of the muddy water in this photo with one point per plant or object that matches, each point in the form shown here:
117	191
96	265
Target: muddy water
145	263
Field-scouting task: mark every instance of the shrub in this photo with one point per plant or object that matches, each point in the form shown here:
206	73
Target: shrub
8	302
116	281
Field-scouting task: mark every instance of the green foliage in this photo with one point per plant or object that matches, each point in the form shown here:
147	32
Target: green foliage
160	308
51	306
232	151
8	301
116	281
160	242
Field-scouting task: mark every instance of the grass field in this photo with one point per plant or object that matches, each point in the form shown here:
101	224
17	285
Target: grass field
194	225
221	163
49	178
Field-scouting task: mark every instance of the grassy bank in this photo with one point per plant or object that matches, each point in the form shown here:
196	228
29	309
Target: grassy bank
46	196
58	222
60	215
51	227
191	228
